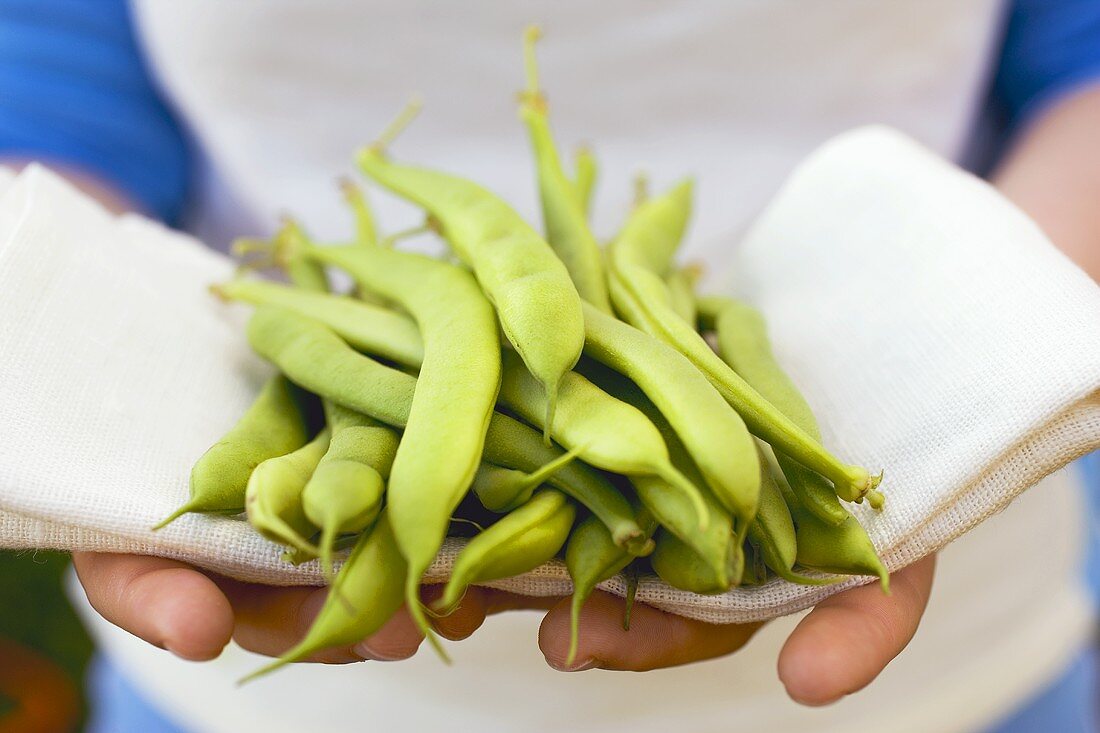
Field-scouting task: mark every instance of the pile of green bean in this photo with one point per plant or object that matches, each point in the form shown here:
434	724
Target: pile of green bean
538	392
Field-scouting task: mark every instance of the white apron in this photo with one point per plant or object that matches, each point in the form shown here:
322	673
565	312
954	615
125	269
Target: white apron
735	93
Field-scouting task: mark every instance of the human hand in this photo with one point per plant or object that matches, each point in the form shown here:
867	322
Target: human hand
837	649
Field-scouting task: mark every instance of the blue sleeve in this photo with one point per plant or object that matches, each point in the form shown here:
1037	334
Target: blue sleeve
1051	47
75	90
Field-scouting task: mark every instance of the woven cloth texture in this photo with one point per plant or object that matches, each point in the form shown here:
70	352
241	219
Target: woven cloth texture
935	331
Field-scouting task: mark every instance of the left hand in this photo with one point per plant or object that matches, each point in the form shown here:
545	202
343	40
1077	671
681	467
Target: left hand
837	649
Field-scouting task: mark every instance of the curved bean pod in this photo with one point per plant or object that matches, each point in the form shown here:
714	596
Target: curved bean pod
452	401
638	259
713	434
502	489
369	328
521	541
512	444
743	343
271	427
315	358
534	297
844	549
591	557
563	210
345	492
606	432
273	500
367	592
681	567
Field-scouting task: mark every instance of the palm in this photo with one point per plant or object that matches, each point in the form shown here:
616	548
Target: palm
838	648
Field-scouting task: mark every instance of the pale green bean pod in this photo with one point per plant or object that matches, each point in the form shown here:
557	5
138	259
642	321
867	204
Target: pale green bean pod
367	592
271	427
273	500
713	434
638	259
369	328
452	402
606	432
519	542
591	557
534	297
344	494
563	203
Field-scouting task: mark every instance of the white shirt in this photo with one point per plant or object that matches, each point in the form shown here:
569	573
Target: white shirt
279	94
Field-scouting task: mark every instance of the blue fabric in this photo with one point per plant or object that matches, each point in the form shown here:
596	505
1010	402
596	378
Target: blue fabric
116	707
1069	705
1050	48
74	90
1090	467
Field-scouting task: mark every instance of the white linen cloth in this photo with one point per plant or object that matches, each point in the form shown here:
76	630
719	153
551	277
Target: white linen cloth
934	330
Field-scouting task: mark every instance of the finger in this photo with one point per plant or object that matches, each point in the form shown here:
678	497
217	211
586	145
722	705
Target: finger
165	602
477	604
272	619
656	639
843	644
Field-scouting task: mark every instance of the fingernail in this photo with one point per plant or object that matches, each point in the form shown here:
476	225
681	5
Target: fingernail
365	651
580	666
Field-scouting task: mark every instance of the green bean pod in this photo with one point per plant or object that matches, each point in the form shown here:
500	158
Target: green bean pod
591	557
366	231
638	260
534	297
844	549
669	508
563	211
511	444
755	571
772	533
606	432
681	567
367	592
711	431
272	426
452	402
345	492
312	355
290	242
680	282
653	231
501	489
713	545
273	500
369	328
520	542
587	173
315	358
743	343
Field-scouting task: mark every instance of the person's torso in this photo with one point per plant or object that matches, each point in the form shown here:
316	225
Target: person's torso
279	95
